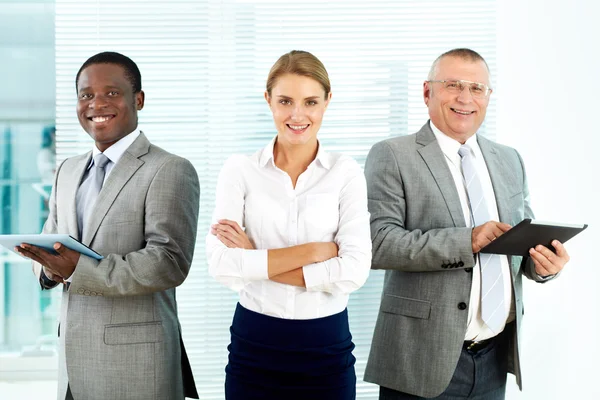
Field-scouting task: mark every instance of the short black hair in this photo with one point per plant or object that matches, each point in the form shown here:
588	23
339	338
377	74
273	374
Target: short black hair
132	72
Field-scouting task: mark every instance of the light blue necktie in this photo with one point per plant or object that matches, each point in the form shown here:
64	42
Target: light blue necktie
88	191
492	284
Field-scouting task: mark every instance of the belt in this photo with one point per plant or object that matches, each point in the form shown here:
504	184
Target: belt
473	346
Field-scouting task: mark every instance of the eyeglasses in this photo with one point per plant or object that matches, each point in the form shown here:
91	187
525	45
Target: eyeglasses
478	90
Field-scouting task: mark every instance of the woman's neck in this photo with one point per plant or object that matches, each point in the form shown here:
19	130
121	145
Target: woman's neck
294	159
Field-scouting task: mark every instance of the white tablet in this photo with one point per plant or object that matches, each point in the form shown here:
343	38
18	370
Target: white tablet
46	242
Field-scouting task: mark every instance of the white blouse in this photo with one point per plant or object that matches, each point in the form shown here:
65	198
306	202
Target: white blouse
329	204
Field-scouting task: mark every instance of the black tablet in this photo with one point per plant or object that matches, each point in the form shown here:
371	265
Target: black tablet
529	233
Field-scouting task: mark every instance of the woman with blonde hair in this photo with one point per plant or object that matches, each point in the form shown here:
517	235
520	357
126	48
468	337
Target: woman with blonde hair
291	234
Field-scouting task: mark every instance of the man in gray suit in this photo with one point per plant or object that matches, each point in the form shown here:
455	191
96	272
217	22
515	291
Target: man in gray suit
137	205
448	328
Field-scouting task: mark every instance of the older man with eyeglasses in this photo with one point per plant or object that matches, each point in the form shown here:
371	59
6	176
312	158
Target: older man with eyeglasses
449	317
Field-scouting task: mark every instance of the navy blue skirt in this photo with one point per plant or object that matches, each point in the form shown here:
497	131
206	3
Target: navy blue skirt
274	358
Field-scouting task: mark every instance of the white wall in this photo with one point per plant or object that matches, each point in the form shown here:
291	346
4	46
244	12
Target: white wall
548	108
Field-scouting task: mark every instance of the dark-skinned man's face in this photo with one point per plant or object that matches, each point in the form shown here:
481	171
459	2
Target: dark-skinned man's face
106	104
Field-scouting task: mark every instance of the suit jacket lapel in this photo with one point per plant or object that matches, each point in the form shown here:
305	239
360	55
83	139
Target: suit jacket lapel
119	176
76	175
502	180
436	162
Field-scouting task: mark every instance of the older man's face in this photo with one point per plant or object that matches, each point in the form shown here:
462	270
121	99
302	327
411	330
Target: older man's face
457	114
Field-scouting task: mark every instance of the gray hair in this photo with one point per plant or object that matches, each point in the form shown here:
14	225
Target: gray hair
463	53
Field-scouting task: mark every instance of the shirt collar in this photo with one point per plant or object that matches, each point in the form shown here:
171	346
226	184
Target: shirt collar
450	146
322	157
116	151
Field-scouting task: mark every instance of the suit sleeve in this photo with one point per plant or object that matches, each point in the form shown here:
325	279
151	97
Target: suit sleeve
350	270
171	220
236	267
394	246
50	226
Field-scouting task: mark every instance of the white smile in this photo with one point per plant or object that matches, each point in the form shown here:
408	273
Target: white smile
298	127
461	112
102	118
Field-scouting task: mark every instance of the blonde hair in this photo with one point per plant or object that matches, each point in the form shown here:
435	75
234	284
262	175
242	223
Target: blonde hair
301	63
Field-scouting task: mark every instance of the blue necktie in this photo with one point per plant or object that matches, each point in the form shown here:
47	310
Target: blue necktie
492	284
88	191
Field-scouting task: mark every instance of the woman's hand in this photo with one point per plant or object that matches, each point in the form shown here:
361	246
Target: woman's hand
231	235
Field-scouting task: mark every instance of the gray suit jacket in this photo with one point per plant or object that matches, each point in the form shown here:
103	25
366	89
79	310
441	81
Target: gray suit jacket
420	239
119	332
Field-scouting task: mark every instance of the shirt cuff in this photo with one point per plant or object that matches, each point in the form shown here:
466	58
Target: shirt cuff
70	278
545	278
255	265
316	277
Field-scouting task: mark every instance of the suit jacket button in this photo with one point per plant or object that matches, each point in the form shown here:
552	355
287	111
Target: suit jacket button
462	306
468	270
461	264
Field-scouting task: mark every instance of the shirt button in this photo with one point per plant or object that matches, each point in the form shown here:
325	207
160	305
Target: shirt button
462	306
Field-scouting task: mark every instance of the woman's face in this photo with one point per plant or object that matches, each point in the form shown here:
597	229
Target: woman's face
298	104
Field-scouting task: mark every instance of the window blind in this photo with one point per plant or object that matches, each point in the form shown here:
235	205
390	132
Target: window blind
204	65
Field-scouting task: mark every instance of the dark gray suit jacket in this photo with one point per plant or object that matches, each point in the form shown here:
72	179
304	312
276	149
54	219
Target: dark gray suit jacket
420	239
119	332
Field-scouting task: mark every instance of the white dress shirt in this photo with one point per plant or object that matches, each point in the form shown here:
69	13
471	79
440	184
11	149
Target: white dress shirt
115	152
328	204
476	328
